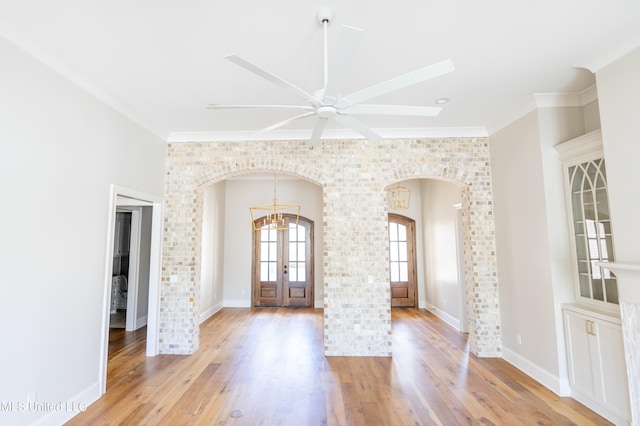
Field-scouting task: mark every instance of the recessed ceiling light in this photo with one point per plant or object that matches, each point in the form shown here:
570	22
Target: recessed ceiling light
441	101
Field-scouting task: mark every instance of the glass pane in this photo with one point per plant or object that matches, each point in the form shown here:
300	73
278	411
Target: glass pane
402	249
612	290
395	272
576	207
402	233
264	234
608	243
404	271
301	252
393	231
302	271
264	251
585	284
575	174
293	252
602	204
273	252
591	228
302	236
598	292
583	267
594	252
293	234
273	271
273	234
393	251
581	248
293	271
264	271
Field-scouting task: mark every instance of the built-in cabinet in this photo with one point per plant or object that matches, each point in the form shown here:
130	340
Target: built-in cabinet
597	368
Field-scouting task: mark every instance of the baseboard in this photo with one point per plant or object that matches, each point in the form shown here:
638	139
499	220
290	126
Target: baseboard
141	322
60	413
604	411
210	312
236	303
550	381
451	320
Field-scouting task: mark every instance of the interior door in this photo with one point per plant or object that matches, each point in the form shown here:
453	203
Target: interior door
402	261
283	264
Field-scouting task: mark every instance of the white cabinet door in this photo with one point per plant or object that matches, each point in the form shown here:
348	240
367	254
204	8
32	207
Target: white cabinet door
612	368
581	362
597	367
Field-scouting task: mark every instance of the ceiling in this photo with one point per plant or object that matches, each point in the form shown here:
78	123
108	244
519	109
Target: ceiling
161	62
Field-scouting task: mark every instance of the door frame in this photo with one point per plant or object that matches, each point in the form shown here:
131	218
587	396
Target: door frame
255	270
120	196
411	253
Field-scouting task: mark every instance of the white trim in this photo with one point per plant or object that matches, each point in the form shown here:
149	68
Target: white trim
134	270
210	312
154	275
543	100
589	95
583	148
552	382
328	134
612	53
237	303
71	407
449	319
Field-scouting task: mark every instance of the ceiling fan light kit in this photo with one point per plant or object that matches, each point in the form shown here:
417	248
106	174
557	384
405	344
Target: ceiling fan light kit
328	102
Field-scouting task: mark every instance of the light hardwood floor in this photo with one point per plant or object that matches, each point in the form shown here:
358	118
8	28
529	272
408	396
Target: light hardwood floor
266	367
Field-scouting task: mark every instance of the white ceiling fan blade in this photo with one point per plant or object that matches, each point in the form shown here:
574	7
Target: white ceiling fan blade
400	82
368	109
282	123
273	78
218	106
351	122
318	129
348	43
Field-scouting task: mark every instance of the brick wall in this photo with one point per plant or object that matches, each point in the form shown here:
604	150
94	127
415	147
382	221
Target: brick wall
353	175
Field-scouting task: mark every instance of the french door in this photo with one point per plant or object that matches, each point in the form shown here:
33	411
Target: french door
402	261
283	264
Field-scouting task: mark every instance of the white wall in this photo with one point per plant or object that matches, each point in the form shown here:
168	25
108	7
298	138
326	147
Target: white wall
59	145
534	258
240	195
439	217
212	274
619	92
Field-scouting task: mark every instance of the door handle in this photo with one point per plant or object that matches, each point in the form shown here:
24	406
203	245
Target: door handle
285	269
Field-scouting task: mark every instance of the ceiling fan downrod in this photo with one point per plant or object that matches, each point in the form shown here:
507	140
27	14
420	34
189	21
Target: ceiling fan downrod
325	15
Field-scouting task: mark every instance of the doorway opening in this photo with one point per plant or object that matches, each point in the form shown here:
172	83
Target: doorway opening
132	273
283	264
402	261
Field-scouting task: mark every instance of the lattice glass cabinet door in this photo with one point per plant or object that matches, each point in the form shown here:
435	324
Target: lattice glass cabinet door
590	219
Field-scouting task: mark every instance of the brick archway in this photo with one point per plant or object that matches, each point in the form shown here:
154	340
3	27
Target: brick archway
353	175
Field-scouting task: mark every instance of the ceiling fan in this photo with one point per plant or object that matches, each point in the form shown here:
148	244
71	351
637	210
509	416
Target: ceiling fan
328	102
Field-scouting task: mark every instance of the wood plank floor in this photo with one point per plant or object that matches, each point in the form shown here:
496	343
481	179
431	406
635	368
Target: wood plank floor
266	367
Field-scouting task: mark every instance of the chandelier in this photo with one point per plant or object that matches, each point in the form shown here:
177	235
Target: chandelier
398	197
273	215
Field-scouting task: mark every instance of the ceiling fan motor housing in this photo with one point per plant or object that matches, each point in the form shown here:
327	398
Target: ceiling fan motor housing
326	111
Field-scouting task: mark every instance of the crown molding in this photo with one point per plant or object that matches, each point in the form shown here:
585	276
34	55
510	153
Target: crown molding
30	48
543	100
328	134
606	56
